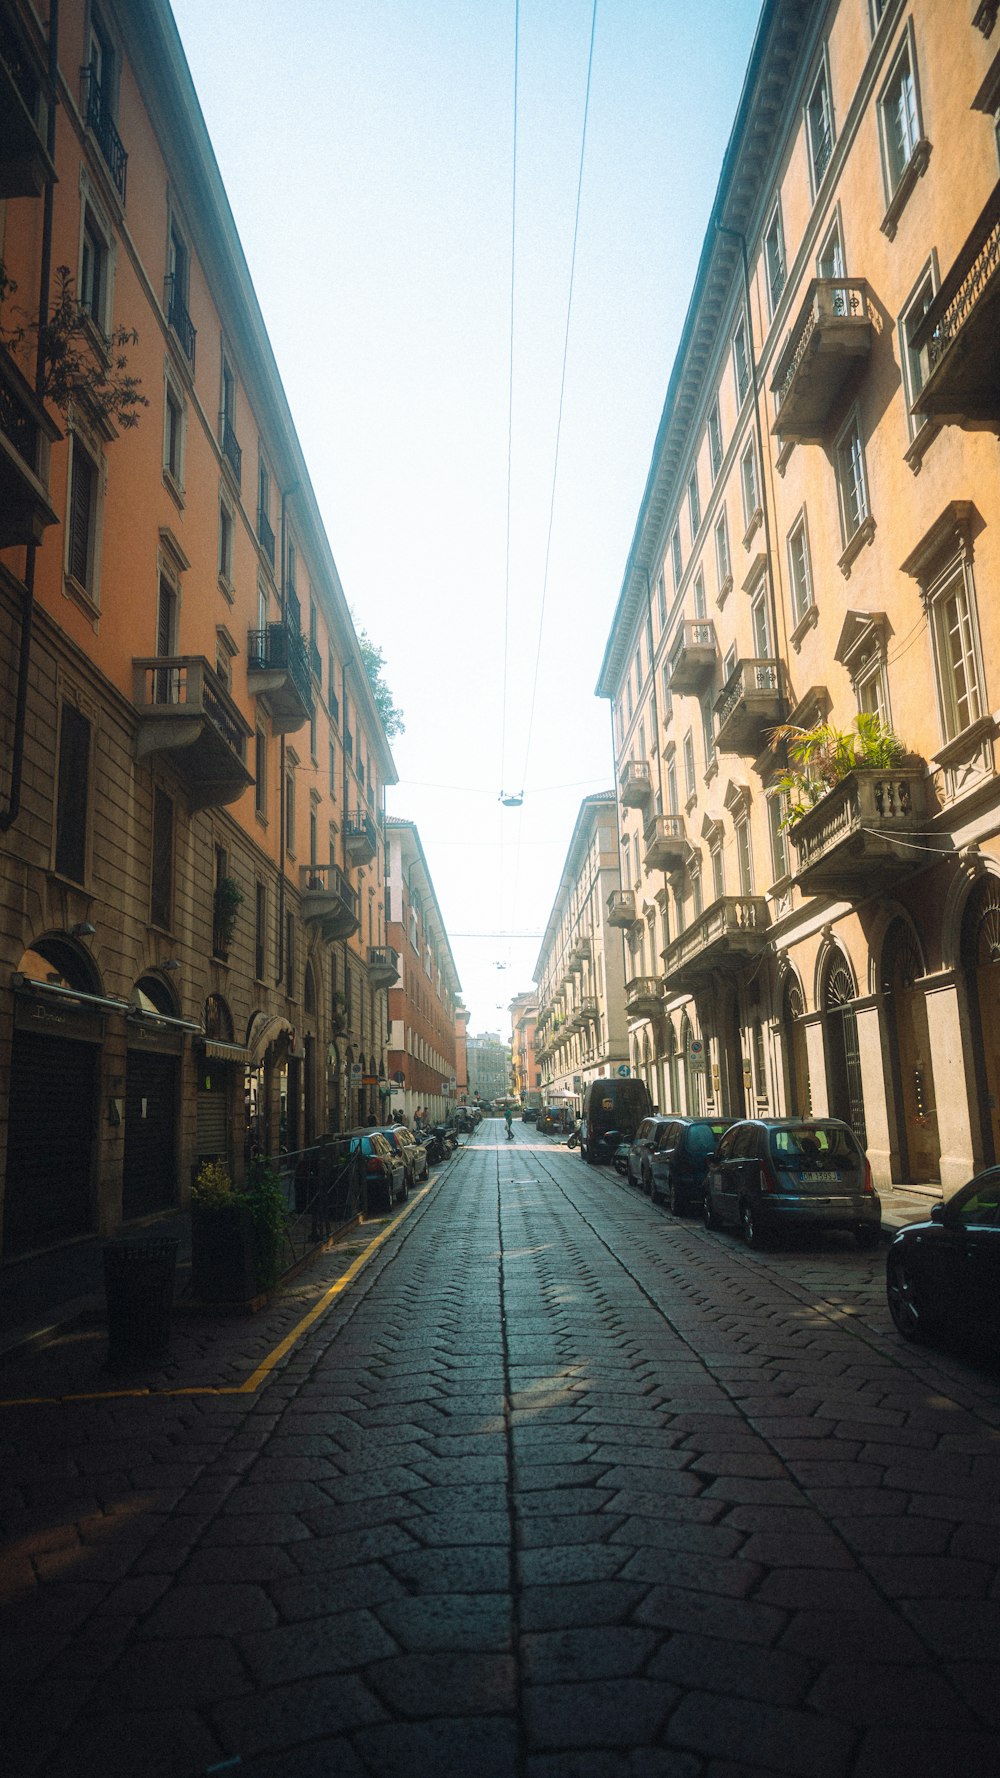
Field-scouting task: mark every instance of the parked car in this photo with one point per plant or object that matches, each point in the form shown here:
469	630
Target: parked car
680	1157
943	1275
413	1152
644	1141
385	1170
769	1176
613	1111
529	1115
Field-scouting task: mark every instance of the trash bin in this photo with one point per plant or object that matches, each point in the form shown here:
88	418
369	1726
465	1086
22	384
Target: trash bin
139	1288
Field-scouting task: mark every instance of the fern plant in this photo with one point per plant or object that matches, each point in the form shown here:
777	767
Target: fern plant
820	757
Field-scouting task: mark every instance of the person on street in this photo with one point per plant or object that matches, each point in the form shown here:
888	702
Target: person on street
508	1118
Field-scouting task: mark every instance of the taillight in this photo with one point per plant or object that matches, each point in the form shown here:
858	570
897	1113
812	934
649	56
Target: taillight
868	1188
768	1182
373	1164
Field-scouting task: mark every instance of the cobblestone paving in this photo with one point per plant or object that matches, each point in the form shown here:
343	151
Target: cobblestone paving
562	1487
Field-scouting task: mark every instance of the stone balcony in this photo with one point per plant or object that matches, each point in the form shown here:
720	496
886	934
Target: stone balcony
665	843
693	654
961	334
278	674
328	901
830	340
643	997
621	907
187	717
636	781
383	966
847	843
724	939
750	703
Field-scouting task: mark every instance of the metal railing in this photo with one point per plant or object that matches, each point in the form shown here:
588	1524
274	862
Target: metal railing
188	682
16	420
279	646
101	122
180	320
974	269
826	299
324	1189
231	448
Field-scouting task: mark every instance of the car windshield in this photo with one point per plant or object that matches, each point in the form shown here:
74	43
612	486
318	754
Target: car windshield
815	1145
704	1138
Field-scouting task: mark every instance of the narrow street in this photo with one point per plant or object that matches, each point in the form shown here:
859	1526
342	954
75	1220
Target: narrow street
559	1485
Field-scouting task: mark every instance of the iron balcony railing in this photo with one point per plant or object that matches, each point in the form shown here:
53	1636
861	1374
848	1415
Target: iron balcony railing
231	448
360	833
280	647
17	423
188	682
101	122
265	536
975	268
180	320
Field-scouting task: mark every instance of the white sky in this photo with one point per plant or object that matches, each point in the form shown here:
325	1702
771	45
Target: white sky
367	149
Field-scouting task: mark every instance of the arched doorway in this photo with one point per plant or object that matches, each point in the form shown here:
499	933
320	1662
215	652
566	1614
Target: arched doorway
733	1090
845	1094
910	1050
54	1078
693	1066
149	1176
794	1053
980	954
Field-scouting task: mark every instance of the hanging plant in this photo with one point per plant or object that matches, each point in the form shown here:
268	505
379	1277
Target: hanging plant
227	901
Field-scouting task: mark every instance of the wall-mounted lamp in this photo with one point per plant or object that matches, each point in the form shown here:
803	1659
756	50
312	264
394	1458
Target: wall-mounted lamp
82	929
171	963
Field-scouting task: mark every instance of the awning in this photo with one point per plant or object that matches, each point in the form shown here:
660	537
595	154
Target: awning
217	1051
161	1021
25	984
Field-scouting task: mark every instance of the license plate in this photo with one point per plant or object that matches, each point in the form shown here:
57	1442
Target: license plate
821	1178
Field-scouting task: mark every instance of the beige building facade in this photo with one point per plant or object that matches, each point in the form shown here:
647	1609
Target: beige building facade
581	1032
819	538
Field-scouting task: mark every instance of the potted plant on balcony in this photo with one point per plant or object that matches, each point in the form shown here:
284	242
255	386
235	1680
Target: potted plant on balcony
226	904
823	756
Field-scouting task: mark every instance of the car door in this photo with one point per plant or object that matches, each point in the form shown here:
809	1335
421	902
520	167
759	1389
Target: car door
738	1169
661	1157
718	1178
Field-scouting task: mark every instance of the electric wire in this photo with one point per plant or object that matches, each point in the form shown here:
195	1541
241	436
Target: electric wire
510	410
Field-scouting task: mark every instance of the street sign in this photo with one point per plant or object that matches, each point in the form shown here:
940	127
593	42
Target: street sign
696	1047
623	1070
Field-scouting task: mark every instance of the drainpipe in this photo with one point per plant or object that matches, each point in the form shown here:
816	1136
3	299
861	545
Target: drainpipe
735	235
9	815
285	493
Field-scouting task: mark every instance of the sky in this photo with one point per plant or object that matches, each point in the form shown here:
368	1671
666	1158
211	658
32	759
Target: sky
477	438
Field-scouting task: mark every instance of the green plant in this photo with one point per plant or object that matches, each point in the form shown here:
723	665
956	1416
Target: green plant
79	363
820	757
227	901
266	1203
213	1187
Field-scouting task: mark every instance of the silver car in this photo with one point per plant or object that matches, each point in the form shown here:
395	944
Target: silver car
771	1175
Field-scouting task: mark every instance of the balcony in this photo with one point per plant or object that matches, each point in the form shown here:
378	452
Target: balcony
693	654
25	167
383	966
278	673
666	846
26	435
180	320
846	843
961	334
265	537
231	449
328	901
751	702
643	997
636	783
580	952
726	937
587	1011
621	907
187	717
360	837
102	125
830	340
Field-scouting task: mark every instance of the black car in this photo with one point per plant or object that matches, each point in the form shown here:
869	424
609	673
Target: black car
943	1275
640	1154
680	1158
769	1176
413	1153
385	1170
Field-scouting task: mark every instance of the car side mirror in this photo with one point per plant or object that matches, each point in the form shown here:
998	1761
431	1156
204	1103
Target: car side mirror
939	1213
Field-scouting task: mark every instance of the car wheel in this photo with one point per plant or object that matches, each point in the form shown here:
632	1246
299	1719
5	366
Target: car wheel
866	1237
406	1189
752	1232
710	1218
902	1299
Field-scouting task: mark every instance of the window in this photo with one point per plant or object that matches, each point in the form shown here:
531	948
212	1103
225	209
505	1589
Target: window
689	764
260	773
748	484
225	543
714	439
178	277
638	672
872	689
290	951
774	259
649	638
956	651
696	895
161	894
760	627
832	264
741	360
708	729
729	663
694	503
699	594
333	769
72	790
93	284
673	803
723	568
900	119
799	570
676	559
265	535
852	484
82	528
744	858
776	812
173	437
661	601
718	870
914	362
819	125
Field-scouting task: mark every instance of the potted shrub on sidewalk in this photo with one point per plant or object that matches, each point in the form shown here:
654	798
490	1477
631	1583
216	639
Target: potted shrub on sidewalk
236	1236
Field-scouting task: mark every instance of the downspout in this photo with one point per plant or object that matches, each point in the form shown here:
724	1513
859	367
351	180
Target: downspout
618	824
9	815
285	492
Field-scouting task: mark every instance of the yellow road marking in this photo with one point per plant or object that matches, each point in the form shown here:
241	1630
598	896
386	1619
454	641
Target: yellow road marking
266	1366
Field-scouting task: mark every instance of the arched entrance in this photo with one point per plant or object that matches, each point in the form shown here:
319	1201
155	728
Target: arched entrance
910	1050
732	1086
671	1091
980	953
845	1094
794	1053
54	1078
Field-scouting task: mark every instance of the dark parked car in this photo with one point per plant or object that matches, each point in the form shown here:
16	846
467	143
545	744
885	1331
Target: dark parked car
530	1114
680	1158
414	1153
385	1171
943	1275
639	1155
769	1176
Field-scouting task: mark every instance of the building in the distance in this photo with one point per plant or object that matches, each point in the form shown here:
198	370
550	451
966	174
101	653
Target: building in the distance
581	1032
424	1001
489	1066
525	1076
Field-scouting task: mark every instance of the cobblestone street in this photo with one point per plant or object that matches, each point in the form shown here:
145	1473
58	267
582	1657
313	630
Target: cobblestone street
558	1485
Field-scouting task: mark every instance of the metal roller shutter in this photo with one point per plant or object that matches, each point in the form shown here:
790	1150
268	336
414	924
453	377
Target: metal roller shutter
50	1141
